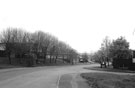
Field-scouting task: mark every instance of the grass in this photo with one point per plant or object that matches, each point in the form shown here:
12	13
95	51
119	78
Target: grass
109	69
4	63
7	66
106	80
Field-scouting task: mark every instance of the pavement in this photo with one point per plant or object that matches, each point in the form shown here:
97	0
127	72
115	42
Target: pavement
72	81
41	77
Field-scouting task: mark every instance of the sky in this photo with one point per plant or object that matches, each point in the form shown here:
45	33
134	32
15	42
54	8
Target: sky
83	24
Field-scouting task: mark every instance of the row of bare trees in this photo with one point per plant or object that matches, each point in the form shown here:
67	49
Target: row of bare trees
21	42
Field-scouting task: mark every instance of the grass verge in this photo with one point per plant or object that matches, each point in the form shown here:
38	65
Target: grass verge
107	80
109	69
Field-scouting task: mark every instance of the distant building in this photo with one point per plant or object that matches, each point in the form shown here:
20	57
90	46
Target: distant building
2	46
2	50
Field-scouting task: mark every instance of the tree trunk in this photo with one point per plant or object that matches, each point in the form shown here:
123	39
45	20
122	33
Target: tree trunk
108	64
100	65
37	57
108	61
50	58
105	65
45	54
56	59
44	58
72	61
63	58
53	59
20	59
9	57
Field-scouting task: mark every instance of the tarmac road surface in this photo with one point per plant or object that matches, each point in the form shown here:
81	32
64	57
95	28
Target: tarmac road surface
37	77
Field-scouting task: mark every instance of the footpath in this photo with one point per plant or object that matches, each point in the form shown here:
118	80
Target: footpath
72	81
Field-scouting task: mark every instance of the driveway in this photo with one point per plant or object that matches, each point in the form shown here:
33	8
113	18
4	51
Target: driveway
37	77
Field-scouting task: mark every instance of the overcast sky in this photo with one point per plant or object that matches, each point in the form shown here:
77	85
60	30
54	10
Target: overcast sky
83	24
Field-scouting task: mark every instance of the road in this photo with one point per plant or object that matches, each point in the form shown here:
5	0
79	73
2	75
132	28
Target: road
37	77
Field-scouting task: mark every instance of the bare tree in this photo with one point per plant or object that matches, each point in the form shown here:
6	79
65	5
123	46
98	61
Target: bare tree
105	49
11	37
